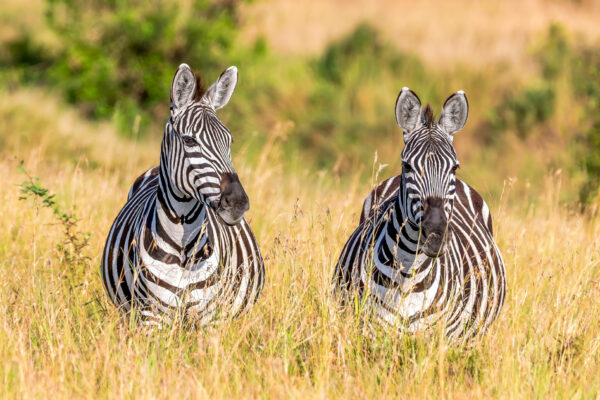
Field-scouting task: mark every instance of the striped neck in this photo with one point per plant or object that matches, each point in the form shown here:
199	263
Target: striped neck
403	204
180	219
178	216
399	238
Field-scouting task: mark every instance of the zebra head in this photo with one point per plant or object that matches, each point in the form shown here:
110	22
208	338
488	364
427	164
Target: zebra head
429	165
197	146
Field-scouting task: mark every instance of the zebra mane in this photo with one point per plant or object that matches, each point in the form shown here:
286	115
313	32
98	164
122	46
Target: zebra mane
427	116
200	89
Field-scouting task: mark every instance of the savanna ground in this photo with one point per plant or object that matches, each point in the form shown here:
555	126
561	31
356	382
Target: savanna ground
60	337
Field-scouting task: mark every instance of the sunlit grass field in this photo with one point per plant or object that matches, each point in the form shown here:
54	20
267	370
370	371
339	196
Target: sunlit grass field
442	33
315	131
60	337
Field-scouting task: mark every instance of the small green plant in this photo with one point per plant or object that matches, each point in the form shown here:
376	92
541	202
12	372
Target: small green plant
72	247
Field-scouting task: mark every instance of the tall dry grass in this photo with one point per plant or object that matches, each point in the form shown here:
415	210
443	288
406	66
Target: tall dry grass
441	33
60	337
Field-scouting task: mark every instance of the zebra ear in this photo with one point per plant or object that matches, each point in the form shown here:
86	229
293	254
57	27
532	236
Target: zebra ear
220	92
454	114
183	87
408	108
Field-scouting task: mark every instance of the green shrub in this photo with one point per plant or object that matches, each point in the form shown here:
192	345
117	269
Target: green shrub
354	79
554	53
586	83
522	111
360	48
117	58
578	65
532	105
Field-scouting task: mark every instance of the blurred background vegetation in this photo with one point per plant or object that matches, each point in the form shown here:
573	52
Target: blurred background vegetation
84	96
330	109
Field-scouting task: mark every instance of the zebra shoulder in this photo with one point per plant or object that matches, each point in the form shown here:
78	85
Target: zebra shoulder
141	181
382	192
473	202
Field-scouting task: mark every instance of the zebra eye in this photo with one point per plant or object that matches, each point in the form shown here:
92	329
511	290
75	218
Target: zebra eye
189	141
457	166
406	167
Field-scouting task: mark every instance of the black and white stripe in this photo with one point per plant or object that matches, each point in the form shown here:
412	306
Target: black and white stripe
181	243
424	251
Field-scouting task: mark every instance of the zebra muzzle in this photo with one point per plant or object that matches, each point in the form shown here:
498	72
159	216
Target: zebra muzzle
434	225
233	203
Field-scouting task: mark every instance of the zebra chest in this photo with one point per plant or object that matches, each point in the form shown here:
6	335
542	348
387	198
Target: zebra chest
402	277
404	267
197	258
175	249
190	276
396	250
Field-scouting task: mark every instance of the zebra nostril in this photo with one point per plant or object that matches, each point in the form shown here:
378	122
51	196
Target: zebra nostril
224	201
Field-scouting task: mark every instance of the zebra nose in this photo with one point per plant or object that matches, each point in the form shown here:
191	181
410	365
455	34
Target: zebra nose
234	200
434	217
433	225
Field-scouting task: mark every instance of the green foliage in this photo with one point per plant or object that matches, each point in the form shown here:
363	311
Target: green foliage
577	68
117	58
23	50
579	65
586	83
74	243
357	50
347	94
525	109
553	55
121	55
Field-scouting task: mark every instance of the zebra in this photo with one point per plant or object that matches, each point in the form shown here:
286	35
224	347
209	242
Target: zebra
181	243
424	253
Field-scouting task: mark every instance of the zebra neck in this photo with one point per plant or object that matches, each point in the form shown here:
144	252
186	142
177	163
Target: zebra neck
181	222
397	243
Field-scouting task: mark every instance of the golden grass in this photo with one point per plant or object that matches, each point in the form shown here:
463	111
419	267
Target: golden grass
475	33
441	33
59	336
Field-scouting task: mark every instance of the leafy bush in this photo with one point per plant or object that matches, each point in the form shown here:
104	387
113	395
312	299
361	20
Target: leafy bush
534	104
578	65
354	79
363	44
586	83
525	109
566	69
553	55
117	58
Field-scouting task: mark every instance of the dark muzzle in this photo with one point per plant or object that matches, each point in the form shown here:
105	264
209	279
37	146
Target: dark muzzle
434	225
234	201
